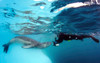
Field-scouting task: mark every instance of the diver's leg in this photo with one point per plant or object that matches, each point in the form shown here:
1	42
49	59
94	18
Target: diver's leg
87	36
96	40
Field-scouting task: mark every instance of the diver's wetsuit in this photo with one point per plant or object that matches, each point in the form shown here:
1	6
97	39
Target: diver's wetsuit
63	36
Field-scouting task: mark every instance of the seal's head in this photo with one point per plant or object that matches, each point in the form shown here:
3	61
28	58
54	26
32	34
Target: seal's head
44	45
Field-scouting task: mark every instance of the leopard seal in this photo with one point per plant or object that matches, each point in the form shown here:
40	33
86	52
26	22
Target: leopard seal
28	43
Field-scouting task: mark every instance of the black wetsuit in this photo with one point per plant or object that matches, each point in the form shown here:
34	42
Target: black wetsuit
63	36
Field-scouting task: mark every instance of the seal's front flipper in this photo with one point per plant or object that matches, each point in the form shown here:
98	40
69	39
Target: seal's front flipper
27	46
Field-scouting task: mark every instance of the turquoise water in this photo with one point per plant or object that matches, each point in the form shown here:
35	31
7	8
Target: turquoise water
13	20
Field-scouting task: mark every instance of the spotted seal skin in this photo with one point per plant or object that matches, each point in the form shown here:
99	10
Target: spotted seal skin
28	43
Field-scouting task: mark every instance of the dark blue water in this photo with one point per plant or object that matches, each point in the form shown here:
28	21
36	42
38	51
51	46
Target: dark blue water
22	18
78	20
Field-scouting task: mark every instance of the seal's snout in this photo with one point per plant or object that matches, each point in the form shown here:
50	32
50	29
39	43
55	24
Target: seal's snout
48	43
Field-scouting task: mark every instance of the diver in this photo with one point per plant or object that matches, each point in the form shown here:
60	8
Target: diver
61	36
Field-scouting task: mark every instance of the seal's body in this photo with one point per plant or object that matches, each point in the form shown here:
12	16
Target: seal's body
28	43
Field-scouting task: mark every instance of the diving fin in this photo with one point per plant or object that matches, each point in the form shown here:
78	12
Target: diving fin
96	40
